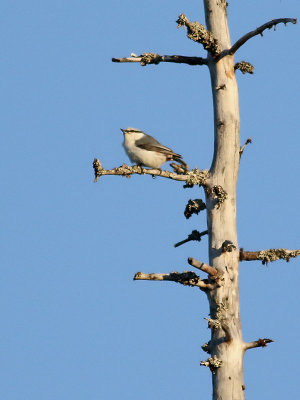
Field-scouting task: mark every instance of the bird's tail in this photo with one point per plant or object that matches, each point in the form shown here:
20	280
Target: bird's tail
179	159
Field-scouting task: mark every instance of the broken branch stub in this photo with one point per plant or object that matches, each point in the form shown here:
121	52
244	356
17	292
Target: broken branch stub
213	274
198	33
213	363
195	235
203	267
245	67
258	343
248	141
194	207
206	347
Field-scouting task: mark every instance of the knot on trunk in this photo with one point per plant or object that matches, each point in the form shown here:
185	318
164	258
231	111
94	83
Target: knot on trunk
228	246
218	193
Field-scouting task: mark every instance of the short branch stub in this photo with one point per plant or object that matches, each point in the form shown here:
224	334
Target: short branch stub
198	33
213	363
194	207
258	343
195	235
245	67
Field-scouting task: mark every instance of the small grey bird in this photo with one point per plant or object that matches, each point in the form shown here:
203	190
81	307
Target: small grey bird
144	150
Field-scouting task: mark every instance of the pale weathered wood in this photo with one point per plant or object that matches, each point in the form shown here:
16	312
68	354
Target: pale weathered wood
203	267
257	343
193	177
185	278
226	342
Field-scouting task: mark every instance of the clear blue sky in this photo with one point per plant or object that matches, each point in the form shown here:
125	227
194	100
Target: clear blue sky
74	324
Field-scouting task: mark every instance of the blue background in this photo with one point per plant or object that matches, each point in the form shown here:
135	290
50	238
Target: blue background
74	324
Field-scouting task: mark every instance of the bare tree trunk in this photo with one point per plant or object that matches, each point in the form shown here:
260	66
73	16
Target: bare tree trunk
226	336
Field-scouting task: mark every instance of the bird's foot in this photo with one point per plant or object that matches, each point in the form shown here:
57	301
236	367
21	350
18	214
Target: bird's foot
179	169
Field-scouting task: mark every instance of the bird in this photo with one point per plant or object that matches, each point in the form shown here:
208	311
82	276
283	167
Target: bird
146	151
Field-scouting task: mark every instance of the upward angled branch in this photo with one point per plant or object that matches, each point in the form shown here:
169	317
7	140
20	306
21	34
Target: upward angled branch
259	31
249	140
203	267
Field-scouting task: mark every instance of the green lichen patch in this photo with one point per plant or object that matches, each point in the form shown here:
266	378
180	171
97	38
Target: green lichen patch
196	177
150	58
270	255
198	33
245	67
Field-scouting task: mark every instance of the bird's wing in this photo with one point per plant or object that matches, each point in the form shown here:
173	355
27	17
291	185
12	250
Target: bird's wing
149	143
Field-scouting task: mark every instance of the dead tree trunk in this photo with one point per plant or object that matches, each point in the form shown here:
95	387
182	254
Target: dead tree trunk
226	343
226	346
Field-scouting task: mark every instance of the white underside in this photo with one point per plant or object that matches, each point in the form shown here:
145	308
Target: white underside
147	158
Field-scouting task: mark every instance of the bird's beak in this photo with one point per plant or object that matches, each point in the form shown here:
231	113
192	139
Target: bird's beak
122	130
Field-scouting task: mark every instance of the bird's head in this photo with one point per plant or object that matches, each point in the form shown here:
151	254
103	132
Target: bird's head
133	132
